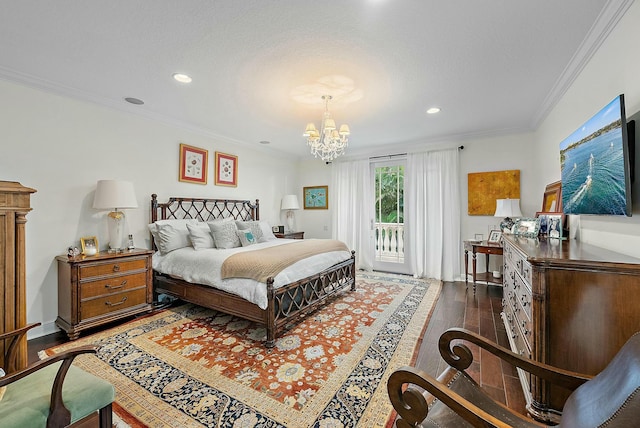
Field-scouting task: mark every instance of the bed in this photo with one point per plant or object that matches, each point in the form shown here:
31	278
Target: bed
285	303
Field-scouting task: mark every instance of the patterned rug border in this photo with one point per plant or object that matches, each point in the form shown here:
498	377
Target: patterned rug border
412	308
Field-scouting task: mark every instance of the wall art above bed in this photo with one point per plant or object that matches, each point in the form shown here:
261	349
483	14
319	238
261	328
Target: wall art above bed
226	170
193	164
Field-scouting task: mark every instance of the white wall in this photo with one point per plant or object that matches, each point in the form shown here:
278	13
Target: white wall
314	223
613	70
61	147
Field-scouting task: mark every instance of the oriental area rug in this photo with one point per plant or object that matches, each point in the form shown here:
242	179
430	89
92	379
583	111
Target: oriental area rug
189	366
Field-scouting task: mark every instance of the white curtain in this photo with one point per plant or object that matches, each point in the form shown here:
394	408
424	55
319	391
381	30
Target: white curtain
432	209
351	195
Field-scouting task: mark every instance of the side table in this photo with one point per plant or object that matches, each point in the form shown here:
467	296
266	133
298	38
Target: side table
482	247
290	235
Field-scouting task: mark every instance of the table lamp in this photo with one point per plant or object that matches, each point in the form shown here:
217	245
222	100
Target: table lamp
115	195
290	203
507	208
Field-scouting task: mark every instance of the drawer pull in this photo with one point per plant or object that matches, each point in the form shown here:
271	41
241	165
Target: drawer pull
108	303
116	268
114	287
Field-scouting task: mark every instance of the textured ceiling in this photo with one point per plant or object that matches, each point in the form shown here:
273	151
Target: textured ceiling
260	67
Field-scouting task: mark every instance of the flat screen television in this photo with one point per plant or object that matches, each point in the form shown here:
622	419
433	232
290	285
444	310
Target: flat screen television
594	164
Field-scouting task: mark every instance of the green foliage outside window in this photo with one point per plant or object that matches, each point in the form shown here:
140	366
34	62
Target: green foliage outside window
389	194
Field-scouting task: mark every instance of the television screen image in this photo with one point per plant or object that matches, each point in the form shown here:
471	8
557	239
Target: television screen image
594	165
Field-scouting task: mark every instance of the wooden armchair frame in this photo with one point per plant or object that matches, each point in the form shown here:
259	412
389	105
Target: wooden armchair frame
412	404
59	415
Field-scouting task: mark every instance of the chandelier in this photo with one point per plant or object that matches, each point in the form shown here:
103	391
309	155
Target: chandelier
328	143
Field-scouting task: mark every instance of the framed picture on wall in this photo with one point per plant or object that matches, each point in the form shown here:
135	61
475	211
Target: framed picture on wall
226	170
193	164
316	198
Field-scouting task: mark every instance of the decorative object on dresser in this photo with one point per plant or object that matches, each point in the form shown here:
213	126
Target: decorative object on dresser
15	204
484	188
454	399
316	197
283	302
527	227
494	237
226	170
115	195
552	224
93	291
89	246
193	164
552	199
566	304
481	247
290	203
290	235
507	208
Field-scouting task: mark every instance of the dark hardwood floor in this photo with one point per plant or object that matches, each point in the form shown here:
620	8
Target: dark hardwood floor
457	306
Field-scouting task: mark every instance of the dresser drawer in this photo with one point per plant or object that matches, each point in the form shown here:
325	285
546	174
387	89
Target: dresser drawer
112	267
111	303
112	285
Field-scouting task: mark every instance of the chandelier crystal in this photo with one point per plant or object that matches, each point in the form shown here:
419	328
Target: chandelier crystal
329	142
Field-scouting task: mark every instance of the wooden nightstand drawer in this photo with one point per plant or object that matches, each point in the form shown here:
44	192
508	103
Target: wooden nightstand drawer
110	268
112	285
114	302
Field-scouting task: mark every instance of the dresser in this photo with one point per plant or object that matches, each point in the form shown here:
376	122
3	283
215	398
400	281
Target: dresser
94	290
569	305
14	206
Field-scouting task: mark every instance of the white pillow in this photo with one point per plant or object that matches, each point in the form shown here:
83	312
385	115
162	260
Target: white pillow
200	236
172	234
224	234
267	233
253	226
246	237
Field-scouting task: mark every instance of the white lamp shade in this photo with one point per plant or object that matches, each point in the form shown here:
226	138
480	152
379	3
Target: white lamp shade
508	208
114	194
290	202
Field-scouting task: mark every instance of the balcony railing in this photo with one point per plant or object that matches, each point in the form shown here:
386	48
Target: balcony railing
390	242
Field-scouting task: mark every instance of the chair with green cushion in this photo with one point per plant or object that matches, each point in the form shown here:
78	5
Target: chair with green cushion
52	392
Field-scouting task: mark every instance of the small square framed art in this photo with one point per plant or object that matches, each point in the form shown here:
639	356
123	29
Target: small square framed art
193	164
89	245
226	170
494	237
316	198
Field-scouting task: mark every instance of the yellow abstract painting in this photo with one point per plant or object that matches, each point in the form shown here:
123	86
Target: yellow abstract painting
486	187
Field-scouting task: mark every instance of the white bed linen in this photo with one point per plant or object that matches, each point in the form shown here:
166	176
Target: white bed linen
203	267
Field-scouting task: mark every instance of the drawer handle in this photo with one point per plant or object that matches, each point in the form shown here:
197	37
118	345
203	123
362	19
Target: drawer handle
114	287
108	303
116	268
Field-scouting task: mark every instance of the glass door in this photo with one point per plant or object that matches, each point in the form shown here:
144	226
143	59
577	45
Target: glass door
390	231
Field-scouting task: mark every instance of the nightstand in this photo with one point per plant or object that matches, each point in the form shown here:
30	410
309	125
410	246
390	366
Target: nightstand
95	290
290	235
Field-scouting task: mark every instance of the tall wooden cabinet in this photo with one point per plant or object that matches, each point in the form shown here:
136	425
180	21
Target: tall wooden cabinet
569	305
14	206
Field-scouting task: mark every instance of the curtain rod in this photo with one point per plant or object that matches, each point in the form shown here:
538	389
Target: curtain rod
400	154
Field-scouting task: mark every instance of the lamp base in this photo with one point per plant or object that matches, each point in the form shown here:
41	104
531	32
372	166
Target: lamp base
290	218
115	222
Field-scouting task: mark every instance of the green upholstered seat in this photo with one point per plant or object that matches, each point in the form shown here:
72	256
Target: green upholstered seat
26	401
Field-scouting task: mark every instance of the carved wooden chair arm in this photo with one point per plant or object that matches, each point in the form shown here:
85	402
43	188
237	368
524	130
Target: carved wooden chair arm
460	357
11	349
412	406
57	409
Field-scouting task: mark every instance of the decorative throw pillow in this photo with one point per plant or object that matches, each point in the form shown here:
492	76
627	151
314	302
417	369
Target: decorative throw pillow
253	226
224	234
267	233
246	237
200	236
170	235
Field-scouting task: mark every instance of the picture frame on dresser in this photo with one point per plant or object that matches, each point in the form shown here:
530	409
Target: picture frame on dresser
552	224
527	227
89	245
552	199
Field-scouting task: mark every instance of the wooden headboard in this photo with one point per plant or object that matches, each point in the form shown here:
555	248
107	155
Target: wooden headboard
204	209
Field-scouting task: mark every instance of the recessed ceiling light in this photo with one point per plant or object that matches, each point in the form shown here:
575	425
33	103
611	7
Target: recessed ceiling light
433	110
265	142
135	101
182	78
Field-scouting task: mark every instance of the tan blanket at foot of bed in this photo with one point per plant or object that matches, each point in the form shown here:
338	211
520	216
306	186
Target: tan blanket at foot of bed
268	262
